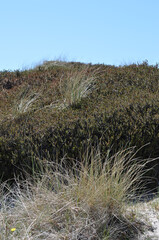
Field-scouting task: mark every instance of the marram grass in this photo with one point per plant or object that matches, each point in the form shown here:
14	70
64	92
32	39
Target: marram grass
76	86
78	203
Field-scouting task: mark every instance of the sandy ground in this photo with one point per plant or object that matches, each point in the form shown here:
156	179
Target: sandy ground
148	212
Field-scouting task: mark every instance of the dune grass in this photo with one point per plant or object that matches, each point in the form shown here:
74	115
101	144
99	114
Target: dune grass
85	202
71	88
76	86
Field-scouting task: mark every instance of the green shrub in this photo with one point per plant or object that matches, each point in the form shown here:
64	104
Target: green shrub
121	110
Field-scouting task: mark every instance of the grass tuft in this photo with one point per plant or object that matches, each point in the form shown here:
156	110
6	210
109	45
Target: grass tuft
88	201
77	85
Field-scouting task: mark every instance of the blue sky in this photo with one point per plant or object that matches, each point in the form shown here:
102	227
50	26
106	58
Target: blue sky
113	32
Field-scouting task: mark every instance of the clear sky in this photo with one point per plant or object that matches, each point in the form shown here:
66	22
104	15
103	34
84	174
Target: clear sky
113	32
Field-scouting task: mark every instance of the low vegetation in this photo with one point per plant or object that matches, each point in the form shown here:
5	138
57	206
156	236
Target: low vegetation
63	130
86	202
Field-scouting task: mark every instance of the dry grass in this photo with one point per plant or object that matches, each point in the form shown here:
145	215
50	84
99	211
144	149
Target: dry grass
77	85
71	88
84	203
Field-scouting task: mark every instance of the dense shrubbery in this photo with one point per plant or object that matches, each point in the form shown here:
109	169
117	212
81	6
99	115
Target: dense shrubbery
120	110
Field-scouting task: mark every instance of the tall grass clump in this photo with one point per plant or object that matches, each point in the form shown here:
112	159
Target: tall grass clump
88	201
26	100
76	85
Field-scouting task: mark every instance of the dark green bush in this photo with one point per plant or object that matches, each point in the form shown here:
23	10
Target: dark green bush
121	111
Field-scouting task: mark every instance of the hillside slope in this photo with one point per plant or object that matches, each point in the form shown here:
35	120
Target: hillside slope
61	108
79	146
